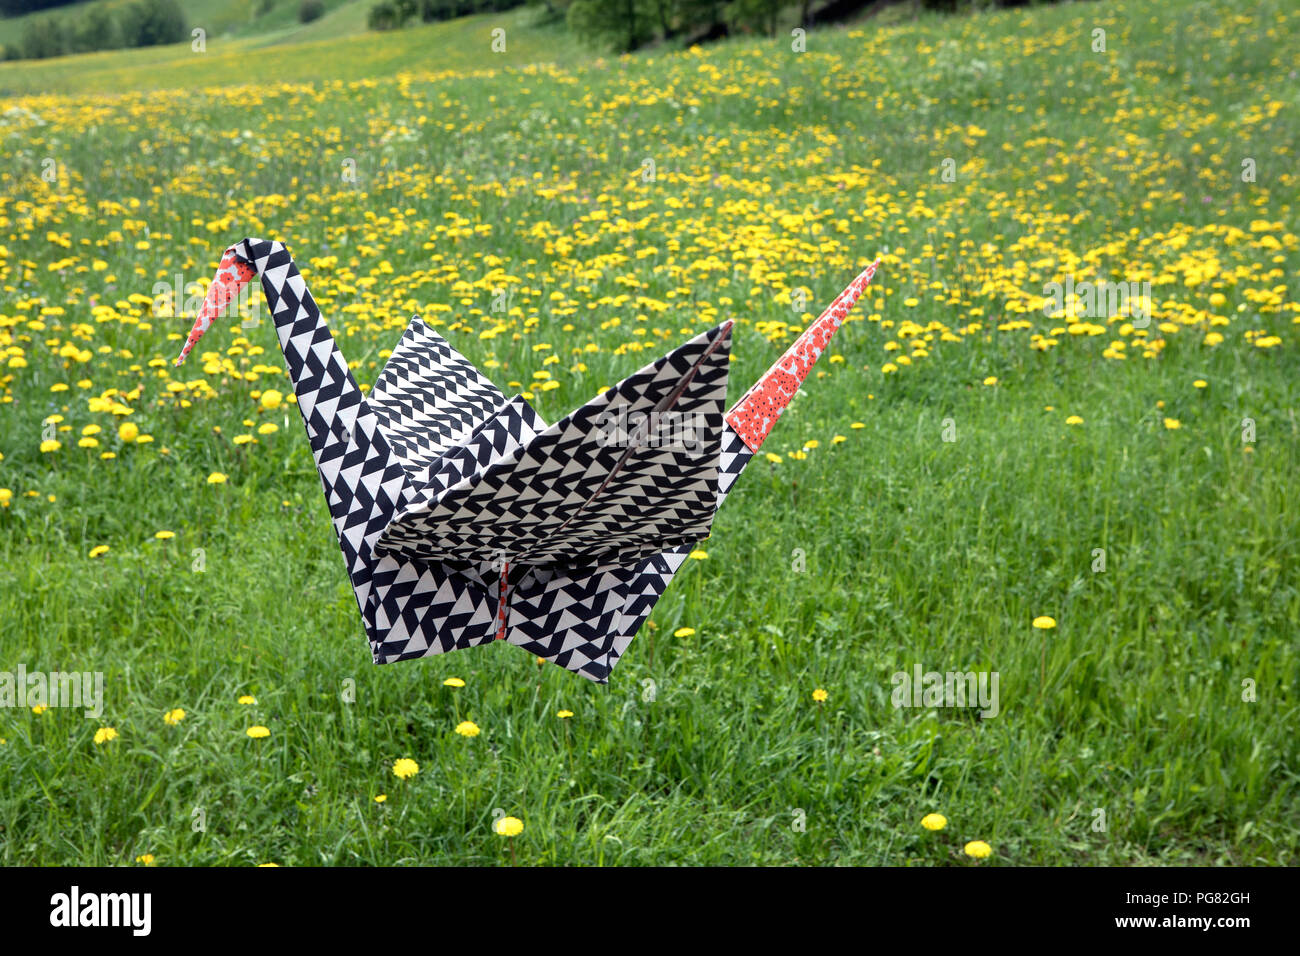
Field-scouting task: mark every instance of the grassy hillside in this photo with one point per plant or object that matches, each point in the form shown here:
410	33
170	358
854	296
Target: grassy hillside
964	462
335	48
223	18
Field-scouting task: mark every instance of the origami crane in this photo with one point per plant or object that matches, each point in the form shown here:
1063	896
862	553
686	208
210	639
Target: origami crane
464	518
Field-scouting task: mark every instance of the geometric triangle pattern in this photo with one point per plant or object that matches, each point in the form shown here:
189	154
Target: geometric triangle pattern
429	397
593	488
464	518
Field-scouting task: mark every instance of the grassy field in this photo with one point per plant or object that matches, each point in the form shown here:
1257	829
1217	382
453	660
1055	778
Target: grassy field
951	473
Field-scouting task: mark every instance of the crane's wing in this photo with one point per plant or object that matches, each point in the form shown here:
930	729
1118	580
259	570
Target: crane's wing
429	398
599	486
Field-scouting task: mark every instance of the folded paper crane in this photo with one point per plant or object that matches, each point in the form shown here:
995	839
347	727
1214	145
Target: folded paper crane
464	518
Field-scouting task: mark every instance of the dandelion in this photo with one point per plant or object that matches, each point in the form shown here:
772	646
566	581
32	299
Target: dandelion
247	700
978	849
173	717
38	709
128	432
267	428
774	459
453	682
164	535
820	695
271	399
145	858
405	768
97	550
991	380
257	732
1199	383
699	554
216	478
50	445
467	728
1074	420
103	735
1173	424
381	798
838	439
857	426
934	821
1044	623
509	826
684	632
564	714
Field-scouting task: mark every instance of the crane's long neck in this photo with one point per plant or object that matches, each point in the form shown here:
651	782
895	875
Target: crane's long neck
363	480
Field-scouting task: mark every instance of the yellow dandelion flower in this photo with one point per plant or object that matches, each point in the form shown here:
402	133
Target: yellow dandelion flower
164	535
820	695
991	380
467	728
1173	424
216	478
684	632
128	432
104	734
405	768
699	554
453	682
50	445
271	399
173	717
1199	383
145	858
97	550
1044	623
934	821
564	714
774	459
257	732
381	798
509	826
978	849
1074	420
247	700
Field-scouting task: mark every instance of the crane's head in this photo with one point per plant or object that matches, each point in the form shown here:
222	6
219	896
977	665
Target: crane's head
233	274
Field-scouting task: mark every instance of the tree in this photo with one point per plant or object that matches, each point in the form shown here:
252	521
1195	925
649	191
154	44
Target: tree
154	22
760	16
44	38
97	30
624	25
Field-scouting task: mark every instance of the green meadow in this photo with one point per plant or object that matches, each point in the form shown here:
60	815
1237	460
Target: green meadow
967	462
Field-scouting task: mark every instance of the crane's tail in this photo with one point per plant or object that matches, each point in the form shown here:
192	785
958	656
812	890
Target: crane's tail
757	411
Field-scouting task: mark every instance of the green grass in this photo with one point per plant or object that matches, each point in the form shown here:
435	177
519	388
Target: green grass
774	171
